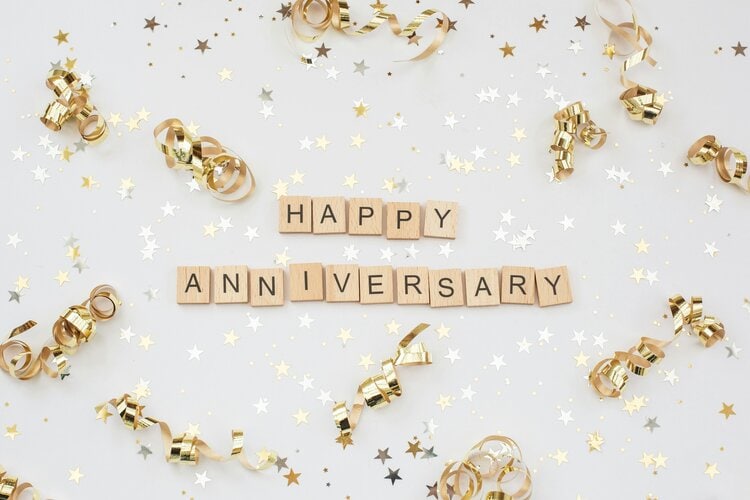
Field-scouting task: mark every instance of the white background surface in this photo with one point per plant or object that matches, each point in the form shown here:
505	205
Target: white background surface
523	399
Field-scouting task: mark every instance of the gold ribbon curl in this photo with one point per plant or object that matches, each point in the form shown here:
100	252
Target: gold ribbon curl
72	101
185	448
378	390
76	326
707	149
610	375
335	14
570	122
503	465
10	489
642	103
226	176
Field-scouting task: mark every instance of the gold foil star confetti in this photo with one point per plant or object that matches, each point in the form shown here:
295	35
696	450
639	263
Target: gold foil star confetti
11	432
711	470
594	442
225	74
280	189
360	108
292	477
539	24
357	141
507	50
145	342
559	456
61	37
727	410
75	475
634	404
344	335
301	416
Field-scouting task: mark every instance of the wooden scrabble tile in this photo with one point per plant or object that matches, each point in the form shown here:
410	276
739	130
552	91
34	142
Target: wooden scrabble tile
266	287
230	285
295	214
376	285
342	283
482	287
440	219
305	282
446	288
329	215
517	285
403	221
412	285
365	216
193	284
553	286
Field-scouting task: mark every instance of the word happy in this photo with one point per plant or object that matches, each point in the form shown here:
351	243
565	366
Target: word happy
374	285
364	216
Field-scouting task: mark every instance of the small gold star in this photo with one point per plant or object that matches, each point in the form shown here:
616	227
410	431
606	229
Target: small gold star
357	141
560	457
102	413
151	23
230	338
132	124
11	432
75	475
73	253
61	37
282	369
642	246
739	49
360	108
292	477
70	63
609	50
711	470
210	230
595	442
581	23
62	277
66	154
145	342
538	24
88	182
581	359
414	447
114	119
301	416
225	74
727	410
414	39
350	181
507	50
22	283
203	46
344	440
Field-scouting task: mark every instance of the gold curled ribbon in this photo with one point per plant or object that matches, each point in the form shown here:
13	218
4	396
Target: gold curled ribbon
185	448
496	460
642	103
707	149
226	176
610	375
378	390
335	14
72	101
76	326
11	489
570	122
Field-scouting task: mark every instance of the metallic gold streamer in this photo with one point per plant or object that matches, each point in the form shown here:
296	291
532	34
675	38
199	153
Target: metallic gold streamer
494	458
72	101
707	149
641	102
335	14
610	375
10	489
571	122
77	325
378	390
185	448
226	176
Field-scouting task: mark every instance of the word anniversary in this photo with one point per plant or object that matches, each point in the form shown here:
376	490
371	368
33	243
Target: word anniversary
364	216
374	285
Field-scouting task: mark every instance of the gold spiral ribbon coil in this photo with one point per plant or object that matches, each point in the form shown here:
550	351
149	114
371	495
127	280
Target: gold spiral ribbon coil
571	122
610	376
184	448
11	489
378	391
76	326
226	176
72	101
308	25
642	103
707	149
493	468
